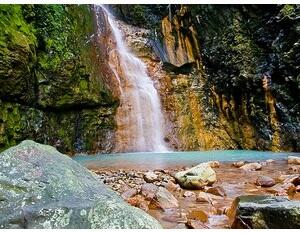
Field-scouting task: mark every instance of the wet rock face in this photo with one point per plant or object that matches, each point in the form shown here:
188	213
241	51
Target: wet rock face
264	212
51	88
41	188
243	85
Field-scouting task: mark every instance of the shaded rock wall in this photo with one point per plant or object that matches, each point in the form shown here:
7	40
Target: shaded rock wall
52	89
227	75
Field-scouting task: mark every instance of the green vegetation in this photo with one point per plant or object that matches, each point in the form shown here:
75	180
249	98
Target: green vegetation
49	76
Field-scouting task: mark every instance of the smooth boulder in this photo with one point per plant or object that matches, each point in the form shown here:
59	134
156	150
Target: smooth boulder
265	181
42	188
254	211
196	177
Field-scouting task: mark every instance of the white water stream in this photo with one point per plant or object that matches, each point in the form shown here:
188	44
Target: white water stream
139	116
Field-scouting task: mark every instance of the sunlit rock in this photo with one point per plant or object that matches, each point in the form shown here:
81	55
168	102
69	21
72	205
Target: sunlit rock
251	167
196	177
294	160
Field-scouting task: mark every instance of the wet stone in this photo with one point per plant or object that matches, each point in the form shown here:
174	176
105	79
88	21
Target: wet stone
217	190
265	181
129	193
149	190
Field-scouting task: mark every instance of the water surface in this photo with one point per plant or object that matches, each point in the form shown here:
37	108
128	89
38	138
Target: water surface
152	160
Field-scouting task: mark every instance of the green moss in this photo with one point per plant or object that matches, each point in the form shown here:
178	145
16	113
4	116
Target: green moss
288	10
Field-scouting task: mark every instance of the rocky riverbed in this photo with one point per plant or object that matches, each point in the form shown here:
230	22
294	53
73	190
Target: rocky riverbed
158	193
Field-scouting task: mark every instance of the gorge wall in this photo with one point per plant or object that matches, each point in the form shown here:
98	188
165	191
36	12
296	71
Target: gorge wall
51	85
228	76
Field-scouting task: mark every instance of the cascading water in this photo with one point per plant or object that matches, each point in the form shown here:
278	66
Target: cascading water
139	116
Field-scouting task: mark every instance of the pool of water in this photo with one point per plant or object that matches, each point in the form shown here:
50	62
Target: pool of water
154	160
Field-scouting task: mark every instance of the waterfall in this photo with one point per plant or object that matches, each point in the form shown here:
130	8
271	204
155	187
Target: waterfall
139	116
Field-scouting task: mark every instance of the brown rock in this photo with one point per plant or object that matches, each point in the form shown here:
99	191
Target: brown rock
251	167
189	194
294	169
265	181
139	201
180	226
144	205
204	197
150	177
170	186
214	164
294	179
218	221
174	216
238	164
196	224
129	193
284	189
294	160
198	215
149	191
217	190
165	199
269	160
298	188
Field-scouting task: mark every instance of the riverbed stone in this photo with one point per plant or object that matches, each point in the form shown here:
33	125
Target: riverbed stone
251	167
254	211
204	197
217	190
129	193
214	164
42	188
196	177
238	164
265	181
165	199
150	177
284	189
196	224
149	191
294	160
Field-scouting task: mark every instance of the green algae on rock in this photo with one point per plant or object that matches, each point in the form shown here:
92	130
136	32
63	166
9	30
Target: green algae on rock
42	188
258	212
51	87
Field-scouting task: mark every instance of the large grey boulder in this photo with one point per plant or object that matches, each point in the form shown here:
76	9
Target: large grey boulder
42	188
254	211
196	177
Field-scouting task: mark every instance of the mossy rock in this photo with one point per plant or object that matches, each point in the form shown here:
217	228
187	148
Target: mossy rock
42	188
17	56
266	212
